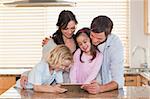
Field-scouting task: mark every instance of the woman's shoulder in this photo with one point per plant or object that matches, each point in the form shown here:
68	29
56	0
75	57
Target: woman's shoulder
49	46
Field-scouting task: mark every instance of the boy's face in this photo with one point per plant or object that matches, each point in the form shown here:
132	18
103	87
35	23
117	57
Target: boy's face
97	38
63	66
84	43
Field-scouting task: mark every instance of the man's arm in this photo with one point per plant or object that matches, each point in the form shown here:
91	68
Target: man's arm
95	87
117	61
109	86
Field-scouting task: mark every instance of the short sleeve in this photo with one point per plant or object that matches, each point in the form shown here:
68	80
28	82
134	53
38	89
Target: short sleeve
35	76
59	77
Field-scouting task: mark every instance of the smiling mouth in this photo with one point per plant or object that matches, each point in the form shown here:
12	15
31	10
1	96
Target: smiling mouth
85	48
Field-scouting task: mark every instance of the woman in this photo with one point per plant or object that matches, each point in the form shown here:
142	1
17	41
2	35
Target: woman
64	35
66	27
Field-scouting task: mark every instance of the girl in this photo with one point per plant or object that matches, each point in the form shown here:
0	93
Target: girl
87	59
48	70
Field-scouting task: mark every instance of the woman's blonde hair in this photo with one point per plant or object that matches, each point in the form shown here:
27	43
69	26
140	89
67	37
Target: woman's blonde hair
59	54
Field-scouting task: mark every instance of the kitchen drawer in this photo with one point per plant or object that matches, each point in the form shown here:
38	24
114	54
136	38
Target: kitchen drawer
7	81
130	81
144	81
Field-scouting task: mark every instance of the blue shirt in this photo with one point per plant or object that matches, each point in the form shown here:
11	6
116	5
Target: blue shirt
40	75
112	68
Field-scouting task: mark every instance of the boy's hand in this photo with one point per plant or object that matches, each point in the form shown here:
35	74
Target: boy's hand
58	89
23	81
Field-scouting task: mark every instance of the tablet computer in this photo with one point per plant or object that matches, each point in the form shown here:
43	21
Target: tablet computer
72	87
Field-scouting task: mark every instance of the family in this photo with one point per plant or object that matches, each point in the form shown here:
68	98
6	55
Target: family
92	57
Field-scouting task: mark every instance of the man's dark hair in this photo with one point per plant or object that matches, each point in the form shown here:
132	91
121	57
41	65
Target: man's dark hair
102	24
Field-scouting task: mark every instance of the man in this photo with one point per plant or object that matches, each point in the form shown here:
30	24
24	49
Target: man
110	76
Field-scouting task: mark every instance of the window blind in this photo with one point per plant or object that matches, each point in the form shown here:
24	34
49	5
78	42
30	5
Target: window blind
21	33
22	29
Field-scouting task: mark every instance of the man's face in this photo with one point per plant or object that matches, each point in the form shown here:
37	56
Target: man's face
97	38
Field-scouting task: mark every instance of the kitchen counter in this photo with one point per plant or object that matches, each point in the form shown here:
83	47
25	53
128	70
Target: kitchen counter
145	72
124	93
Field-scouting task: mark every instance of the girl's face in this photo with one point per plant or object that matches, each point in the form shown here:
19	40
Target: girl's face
84	43
69	30
63	66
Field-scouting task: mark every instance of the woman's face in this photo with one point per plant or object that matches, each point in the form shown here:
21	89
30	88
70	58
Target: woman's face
69	30
84	43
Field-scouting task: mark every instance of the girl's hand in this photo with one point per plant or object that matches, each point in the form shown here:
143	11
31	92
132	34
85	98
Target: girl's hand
93	87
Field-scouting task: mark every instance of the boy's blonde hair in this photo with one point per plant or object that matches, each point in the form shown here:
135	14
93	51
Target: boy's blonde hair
59	54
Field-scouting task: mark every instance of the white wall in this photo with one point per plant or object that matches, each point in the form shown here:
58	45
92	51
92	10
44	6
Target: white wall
138	38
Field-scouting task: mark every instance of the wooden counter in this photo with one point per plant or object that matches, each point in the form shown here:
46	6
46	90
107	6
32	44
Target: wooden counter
125	93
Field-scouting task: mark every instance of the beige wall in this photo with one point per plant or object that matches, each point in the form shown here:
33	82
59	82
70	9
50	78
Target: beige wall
138	38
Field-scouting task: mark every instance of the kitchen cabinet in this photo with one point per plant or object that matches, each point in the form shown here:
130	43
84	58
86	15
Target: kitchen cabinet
132	80
6	81
144	81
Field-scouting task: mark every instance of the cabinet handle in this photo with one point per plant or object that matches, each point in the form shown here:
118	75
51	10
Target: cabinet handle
129	81
149	83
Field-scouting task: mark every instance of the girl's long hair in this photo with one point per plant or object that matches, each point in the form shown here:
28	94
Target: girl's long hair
93	50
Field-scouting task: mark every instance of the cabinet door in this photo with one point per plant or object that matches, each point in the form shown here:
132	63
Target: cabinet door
130	81
144	81
6	82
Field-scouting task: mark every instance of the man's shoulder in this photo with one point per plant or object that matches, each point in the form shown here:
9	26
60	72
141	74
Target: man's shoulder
113	39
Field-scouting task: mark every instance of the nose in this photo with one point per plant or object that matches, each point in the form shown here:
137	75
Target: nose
83	45
70	31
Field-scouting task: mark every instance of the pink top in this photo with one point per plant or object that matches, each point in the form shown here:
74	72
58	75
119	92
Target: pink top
87	71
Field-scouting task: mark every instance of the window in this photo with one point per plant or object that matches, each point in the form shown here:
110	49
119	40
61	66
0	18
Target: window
23	28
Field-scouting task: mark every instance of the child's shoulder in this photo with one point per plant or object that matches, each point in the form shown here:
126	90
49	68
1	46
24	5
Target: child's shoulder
78	51
41	65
